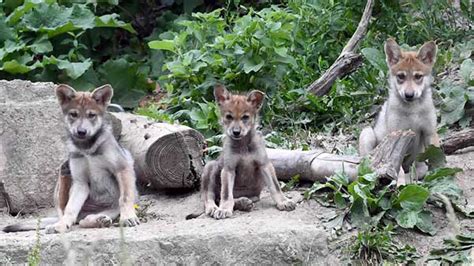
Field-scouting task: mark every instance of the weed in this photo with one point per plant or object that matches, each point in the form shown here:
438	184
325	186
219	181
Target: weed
34	256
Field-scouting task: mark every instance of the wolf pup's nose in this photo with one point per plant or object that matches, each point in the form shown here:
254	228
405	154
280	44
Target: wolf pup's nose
409	95
81	132
236	132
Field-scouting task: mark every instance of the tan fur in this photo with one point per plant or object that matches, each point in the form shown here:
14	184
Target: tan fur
243	169
100	186
409	105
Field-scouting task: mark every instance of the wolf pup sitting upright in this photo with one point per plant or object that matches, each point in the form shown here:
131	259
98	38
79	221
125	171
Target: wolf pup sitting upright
102	183
243	169
409	105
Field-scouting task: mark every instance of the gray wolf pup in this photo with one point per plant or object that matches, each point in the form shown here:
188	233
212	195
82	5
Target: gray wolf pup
102	183
409	105
243	169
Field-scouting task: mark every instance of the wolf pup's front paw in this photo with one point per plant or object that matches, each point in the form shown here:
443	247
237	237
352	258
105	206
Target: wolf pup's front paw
222	213
57	228
286	205
130	221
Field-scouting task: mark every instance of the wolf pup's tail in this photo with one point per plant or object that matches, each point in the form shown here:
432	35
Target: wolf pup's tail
194	215
30	225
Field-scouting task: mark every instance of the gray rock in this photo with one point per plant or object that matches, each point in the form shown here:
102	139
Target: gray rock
31	144
263	236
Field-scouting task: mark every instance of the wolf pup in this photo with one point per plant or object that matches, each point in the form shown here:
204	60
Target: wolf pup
102	183
409	105
243	169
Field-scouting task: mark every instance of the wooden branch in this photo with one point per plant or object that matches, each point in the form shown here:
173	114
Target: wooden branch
316	165
348	61
458	140
343	66
388	156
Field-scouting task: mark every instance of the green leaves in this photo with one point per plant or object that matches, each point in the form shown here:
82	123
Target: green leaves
454	251
162	45
412	197
376	58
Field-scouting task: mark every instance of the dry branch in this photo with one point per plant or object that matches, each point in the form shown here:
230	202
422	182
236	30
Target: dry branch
316	165
458	140
348	61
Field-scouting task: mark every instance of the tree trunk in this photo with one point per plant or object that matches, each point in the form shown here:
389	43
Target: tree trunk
316	165
166	155
458	140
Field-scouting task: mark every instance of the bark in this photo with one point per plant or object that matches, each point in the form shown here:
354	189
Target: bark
166	155
316	165
458	140
348	61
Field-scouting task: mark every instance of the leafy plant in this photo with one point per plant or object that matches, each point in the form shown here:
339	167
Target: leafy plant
454	251
375	245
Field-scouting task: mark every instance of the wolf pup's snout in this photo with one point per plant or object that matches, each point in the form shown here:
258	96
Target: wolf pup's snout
81	132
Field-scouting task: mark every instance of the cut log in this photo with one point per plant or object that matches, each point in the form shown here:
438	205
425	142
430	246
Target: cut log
316	165
166	155
458	140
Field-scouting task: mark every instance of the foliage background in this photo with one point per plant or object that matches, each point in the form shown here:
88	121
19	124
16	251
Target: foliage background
279	47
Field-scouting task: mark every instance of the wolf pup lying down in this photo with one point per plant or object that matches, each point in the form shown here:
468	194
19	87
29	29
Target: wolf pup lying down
102	183
409	105
243	169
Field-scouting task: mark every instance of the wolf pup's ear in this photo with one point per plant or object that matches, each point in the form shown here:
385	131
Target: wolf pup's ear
392	52
427	53
64	93
221	94
103	94
255	98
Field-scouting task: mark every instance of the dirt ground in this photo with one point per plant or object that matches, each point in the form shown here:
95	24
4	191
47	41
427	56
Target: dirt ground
264	235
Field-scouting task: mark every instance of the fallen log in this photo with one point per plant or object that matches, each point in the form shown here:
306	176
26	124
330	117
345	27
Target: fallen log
316	165
458	140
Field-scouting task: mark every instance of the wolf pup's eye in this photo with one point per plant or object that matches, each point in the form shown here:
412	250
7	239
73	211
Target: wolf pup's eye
73	114
418	76
245	118
92	115
401	76
228	117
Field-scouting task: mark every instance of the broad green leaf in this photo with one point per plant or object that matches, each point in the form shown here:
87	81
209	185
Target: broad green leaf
375	58
407	218
74	69
42	45
384	203
253	64
82	17
35	20
112	21
339	200
441	172
364	167
162	45
14	67
19	12
446	186
425	223
412	197
434	156
129	85
467	70
360	216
